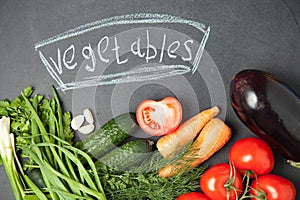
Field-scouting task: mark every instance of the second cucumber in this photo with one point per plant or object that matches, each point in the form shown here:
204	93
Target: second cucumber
128	155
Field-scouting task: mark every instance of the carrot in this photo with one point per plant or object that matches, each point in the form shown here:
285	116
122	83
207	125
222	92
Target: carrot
212	138
171	144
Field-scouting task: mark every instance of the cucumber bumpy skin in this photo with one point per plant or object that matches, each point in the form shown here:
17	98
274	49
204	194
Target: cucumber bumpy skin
128	155
111	134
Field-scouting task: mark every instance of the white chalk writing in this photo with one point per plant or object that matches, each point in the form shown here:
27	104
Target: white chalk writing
108	46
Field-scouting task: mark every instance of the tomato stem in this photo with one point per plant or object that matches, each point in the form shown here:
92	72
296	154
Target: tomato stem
229	183
247	176
294	164
260	194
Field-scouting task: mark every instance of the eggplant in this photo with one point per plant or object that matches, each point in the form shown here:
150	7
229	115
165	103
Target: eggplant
270	109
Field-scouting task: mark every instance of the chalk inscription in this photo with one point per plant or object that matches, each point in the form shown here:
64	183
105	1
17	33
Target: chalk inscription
109	49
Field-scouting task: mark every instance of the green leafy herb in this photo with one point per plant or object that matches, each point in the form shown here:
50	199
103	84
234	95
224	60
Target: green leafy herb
44	140
21	118
143	183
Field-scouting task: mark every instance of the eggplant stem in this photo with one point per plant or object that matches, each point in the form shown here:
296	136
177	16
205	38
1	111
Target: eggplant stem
294	164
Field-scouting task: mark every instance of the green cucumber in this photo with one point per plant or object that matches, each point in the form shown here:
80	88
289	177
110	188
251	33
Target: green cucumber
36	176
110	135
128	155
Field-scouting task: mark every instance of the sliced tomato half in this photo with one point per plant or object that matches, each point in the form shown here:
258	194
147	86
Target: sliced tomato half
159	117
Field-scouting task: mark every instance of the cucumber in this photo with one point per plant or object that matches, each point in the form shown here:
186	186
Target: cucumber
128	155
36	176
108	136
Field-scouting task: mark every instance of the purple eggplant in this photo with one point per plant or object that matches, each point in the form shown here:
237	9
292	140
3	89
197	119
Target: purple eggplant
270	109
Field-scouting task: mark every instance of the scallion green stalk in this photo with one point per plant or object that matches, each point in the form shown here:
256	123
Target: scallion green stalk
7	154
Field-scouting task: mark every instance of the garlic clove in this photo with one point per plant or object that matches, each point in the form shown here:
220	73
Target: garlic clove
77	122
86	129
88	116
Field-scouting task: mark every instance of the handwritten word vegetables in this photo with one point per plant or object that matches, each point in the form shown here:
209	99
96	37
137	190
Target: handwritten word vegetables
109	49
212	138
159	117
170	145
270	109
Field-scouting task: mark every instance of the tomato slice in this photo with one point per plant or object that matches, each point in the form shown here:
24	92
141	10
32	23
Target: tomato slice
159	117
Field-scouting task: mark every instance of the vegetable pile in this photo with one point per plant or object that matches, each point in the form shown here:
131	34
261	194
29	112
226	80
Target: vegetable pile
248	175
191	142
42	161
42	136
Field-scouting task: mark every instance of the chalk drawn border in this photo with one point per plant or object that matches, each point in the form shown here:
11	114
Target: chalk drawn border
141	18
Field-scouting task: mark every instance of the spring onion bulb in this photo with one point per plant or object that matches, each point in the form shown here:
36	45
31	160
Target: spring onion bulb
8	157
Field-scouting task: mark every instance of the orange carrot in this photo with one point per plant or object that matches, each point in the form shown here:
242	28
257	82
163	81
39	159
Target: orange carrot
171	144
211	139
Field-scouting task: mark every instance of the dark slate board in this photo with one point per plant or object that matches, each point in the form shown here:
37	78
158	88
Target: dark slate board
243	34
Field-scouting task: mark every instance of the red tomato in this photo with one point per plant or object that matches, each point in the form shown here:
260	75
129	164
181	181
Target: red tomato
213	181
273	187
193	196
159	117
252	154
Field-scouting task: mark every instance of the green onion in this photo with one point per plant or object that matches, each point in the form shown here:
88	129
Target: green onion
43	137
7	154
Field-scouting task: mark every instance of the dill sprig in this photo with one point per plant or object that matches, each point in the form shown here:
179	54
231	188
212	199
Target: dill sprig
143	182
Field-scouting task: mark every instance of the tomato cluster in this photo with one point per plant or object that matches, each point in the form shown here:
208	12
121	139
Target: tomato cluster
252	158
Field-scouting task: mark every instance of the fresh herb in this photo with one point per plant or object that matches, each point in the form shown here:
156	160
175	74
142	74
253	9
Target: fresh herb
44	141
21	118
143	182
70	179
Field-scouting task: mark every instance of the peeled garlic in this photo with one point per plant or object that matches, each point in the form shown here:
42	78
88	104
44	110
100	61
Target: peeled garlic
88	116
86	129
77	122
